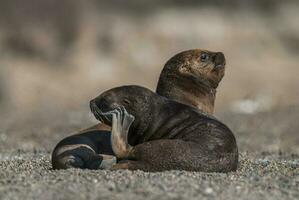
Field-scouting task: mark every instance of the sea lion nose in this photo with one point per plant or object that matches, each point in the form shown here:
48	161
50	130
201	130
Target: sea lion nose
219	59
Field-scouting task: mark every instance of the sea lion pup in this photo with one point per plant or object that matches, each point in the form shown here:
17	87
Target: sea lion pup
190	77
165	135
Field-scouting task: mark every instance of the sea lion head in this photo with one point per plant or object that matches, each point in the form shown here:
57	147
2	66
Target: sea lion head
191	77
203	67
135	99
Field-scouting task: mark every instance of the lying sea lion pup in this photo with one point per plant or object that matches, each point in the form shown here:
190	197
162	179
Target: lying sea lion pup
154	133
189	77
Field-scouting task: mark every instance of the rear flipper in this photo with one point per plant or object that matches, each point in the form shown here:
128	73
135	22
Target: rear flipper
121	122
159	155
81	156
88	150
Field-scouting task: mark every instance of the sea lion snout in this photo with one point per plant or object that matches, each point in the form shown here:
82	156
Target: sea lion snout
105	102
92	104
98	107
219	60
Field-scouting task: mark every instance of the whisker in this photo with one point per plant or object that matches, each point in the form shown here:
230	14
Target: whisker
94	111
98	113
92	108
99	116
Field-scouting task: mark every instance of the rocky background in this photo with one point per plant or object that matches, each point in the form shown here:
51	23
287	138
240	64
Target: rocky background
56	55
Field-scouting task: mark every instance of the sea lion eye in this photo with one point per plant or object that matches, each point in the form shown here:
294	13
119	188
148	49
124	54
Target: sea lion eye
204	57
126	101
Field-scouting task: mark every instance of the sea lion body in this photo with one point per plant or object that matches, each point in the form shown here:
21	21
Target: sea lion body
166	135
190	77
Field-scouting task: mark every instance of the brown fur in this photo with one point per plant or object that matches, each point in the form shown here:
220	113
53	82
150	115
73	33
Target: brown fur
172	136
186	79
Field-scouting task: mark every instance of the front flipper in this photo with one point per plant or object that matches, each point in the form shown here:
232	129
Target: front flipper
121	122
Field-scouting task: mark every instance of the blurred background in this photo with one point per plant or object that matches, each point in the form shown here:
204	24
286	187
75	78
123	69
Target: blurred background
56	55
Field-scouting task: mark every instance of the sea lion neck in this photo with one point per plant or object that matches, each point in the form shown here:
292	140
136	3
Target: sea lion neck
192	92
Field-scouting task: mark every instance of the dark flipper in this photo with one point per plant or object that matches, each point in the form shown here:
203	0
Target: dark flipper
159	155
90	150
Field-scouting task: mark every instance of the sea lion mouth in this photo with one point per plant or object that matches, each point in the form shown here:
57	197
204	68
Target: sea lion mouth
99	114
218	66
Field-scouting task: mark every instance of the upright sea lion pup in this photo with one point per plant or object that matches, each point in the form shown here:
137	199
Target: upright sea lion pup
153	133
190	77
